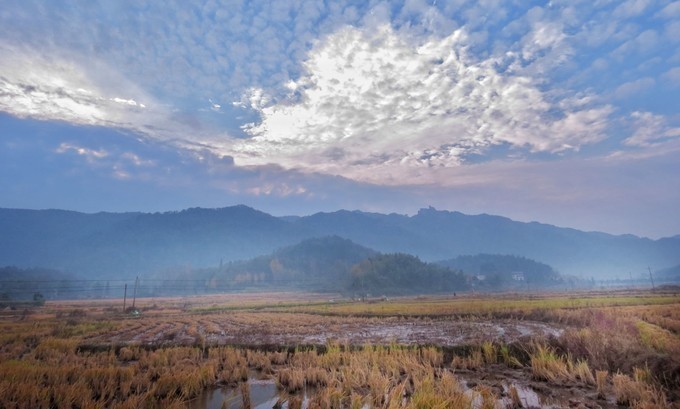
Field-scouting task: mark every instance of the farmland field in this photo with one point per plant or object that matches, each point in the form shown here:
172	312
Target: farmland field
313	350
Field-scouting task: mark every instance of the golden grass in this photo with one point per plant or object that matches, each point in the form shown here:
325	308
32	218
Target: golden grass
445	394
548	366
581	371
292	380
489	351
636	393
601	383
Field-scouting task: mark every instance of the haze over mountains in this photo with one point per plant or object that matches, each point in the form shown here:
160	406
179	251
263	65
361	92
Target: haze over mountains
109	245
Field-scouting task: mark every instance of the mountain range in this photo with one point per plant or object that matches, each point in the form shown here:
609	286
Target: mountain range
125	244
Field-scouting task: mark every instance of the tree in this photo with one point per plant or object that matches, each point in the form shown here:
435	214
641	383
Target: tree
38	299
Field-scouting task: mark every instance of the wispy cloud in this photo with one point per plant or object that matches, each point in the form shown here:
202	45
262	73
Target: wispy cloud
50	87
630	89
650	130
53	88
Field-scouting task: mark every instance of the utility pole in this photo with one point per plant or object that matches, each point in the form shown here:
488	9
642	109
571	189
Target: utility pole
651	278
134	297
125	298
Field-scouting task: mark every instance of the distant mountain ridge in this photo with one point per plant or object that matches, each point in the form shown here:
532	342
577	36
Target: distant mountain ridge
112	244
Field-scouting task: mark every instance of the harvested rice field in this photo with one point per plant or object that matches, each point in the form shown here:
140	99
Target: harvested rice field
294	350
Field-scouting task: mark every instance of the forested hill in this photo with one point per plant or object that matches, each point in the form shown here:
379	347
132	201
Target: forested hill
107	245
505	271
319	264
405	274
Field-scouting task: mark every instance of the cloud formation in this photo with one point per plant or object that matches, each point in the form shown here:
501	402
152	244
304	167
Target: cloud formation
341	87
402	98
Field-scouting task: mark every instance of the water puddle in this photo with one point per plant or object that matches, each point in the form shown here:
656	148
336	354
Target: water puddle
263	394
524	395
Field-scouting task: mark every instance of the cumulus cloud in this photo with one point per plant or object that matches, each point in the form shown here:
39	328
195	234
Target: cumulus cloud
371	99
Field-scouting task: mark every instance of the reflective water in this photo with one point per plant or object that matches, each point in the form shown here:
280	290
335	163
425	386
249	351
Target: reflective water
263	395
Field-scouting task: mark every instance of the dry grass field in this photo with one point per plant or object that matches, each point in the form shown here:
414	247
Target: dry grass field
510	351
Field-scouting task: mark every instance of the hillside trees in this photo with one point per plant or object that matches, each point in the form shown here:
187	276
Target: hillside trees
505	271
403	274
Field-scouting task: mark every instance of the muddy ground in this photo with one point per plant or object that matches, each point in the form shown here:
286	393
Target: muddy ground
308	329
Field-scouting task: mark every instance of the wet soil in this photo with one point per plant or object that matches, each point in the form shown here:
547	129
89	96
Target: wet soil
308	329
532	393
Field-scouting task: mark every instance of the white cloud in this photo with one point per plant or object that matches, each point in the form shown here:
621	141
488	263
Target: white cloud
44	86
91	155
671	10
672	31
49	87
634	87
631	8
544	35
372	100
673	76
130	102
277	189
643	43
137	160
214	106
650	130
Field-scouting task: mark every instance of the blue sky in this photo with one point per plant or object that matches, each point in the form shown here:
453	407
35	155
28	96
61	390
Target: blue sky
564	112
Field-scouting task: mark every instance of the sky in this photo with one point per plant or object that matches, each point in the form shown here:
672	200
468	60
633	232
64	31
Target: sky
564	112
